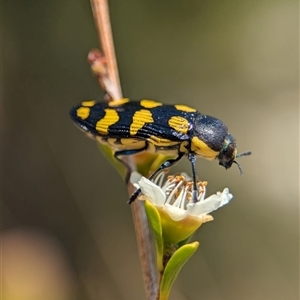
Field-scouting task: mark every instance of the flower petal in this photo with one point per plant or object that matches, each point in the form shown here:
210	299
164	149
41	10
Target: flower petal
226	196
135	177
175	213
152	191
210	204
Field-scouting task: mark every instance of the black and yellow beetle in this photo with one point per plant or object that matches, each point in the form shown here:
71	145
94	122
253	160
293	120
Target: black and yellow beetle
130	127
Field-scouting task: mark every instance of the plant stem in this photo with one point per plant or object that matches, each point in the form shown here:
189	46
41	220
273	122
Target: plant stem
102	20
143	235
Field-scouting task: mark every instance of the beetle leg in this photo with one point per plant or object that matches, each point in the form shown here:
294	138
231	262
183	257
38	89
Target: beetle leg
167	164
124	153
192	159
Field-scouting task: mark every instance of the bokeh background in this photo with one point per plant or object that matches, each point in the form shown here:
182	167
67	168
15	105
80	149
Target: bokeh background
67	232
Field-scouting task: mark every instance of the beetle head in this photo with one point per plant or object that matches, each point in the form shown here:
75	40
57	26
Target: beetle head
228	153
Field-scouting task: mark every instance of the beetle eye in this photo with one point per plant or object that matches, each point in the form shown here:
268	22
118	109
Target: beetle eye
227	154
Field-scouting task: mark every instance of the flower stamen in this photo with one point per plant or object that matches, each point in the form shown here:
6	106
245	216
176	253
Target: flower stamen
174	191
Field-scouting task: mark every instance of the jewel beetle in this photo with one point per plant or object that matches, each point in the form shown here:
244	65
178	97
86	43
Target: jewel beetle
130	127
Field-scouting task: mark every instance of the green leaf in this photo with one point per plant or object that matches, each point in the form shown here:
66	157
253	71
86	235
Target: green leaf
185	241
155	224
174	265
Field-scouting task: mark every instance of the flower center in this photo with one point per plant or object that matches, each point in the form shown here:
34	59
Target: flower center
178	189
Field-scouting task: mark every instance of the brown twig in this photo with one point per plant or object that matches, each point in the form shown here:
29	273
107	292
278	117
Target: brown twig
110	82
102	20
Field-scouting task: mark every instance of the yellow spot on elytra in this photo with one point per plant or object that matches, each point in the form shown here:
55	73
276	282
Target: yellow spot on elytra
83	112
150	103
139	119
118	102
180	124
88	103
185	108
158	141
111	117
202	149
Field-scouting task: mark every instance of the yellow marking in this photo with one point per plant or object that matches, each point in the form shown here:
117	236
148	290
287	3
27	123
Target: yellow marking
185	108
88	103
111	141
202	149
150	103
131	144
118	102
161	150
183	147
179	124
83	112
157	141
129	141
126	143
139	119
111	117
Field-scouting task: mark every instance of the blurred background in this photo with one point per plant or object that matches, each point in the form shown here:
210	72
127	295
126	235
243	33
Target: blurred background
67	232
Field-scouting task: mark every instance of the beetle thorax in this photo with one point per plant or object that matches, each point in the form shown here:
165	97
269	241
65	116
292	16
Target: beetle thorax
208	136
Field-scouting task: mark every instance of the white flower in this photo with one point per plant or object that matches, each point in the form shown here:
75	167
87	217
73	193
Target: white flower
175	197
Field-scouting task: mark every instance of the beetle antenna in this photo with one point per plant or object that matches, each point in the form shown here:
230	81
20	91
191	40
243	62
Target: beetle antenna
244	154
239	155
240	168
